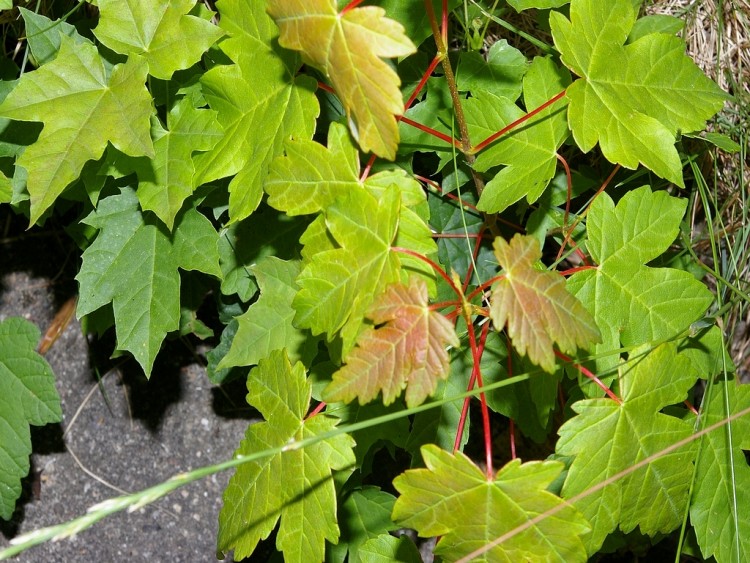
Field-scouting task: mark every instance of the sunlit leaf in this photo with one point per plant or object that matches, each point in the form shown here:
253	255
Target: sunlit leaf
347	47
631	99
607	438
161	31
722	478
536	306
260	102
454	499
635	305
294	487
407	349
83	106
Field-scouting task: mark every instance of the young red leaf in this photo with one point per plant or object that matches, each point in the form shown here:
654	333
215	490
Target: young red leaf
347	47
536	305
407	352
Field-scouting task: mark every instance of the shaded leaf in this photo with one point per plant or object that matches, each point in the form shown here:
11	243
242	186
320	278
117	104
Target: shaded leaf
388	549
536	305
500	73
166	180
631	99
134	265
454	499
364	514
43	35
528	152
607	438
161	31
347	47
83	107
267	324
407	351
294	487
27	396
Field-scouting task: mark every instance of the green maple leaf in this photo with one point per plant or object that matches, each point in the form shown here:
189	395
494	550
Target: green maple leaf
721	497
529	153
84	106
500	72
454	499
133	265
159	30
631	99
295	486
166	180
337	284
347	47
406	350
260	102
607	438
310	177
44	34
536	306
27	396
634	304
363	515
267	324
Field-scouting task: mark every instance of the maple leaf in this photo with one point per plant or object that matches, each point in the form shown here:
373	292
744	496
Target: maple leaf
364	514
632	99
267	324
722	476
408	351
454	499
27	396
293	486
536	305
529	153
607	438
339	283
260	93
310	177
347	47
634	304
133	265
161	31
166	180
83	106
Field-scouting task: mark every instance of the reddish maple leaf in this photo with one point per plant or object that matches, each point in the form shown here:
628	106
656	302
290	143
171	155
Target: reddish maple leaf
538	308
407	351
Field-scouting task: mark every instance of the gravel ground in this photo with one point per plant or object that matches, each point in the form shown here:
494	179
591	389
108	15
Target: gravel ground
125	434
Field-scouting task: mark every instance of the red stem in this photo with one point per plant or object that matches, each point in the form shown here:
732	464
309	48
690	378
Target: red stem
429	130
326	87
422	82
492	138
591	376
350	6
316	410
435	267
572	271
566	240
477	356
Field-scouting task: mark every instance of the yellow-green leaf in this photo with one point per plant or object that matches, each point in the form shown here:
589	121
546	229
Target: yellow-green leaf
347	47
294	486
83	106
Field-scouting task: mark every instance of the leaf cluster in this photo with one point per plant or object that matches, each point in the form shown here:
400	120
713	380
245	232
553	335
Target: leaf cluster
408	251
